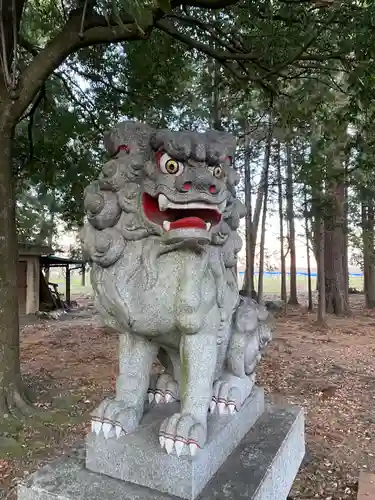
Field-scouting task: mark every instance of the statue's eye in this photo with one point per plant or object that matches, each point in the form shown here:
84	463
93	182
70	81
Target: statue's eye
170	166
216	171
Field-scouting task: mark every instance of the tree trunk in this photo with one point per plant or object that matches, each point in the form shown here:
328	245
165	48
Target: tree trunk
365	250
321	272
267	156
345	256
83	276
371	262
307	233
257	213
12	400
293	299
334	249
248	283
368	227
281	223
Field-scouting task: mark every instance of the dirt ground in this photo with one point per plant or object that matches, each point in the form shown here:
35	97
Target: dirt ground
71	366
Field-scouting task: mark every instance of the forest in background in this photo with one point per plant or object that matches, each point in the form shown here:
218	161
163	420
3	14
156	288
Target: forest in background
299	102
293	80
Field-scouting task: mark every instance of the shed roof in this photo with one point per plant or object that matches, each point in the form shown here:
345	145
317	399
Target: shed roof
61	261
35	250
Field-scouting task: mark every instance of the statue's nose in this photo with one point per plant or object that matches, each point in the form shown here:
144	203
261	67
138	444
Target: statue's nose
203	182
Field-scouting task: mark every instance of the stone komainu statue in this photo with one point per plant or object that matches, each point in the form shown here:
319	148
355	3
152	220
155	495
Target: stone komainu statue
161	236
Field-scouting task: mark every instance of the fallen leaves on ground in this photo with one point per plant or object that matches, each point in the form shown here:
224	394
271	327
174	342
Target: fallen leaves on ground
330	373
72	366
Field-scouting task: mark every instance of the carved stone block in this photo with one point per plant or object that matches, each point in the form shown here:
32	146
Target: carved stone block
138	457
262	467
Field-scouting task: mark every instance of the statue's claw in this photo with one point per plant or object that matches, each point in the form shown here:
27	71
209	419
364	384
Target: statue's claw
226	399
229	393
114	419
182	435
165	390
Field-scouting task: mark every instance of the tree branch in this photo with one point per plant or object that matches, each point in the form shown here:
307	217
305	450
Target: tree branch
59	48
78	102
207	4
96	31
95	78
41	95
170	29
28	46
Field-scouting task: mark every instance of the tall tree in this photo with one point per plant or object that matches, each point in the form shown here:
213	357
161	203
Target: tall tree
293	299
280	193
266	169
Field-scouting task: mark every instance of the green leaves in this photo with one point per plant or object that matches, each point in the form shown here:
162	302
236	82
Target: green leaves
164	5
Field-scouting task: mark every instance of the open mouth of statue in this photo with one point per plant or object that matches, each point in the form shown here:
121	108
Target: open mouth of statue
170	215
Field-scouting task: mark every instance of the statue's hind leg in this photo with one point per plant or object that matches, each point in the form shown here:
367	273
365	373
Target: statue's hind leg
122	414
164	387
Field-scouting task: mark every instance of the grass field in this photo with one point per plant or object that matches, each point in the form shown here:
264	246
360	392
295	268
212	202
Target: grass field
271	284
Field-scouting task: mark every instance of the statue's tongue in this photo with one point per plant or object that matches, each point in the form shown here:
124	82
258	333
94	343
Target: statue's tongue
188	222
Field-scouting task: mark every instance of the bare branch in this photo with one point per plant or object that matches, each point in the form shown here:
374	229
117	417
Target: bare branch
78	102
96	78
170	29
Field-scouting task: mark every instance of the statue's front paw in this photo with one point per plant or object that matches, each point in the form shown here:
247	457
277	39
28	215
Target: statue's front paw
114	419
229	393
182	434
164	389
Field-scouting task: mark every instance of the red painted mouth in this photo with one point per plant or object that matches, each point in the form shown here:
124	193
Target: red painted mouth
196	217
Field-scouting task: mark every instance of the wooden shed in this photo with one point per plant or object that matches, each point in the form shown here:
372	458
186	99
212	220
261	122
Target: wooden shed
28	276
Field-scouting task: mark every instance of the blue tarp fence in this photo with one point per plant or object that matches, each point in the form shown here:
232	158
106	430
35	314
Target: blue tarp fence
299	273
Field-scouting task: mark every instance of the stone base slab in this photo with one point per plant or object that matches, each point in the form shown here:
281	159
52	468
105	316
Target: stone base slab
138	458
262	467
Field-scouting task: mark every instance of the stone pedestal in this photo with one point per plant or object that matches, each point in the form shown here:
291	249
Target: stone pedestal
138	457
262	467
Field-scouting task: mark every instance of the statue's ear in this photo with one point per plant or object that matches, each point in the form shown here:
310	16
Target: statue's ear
131	137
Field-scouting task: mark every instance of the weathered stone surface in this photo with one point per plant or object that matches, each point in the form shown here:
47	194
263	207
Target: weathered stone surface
262	467
138	458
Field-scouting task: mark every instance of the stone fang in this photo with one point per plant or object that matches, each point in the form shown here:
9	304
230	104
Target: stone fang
165	204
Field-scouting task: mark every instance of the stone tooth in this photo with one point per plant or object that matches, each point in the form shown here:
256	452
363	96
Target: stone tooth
162	441
222	206
150	397
169	443
118	431
222	408
166	225
232	409
179	446
193	449
212	406
158	398
97	427
208	226
106	429
168	398
163	202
